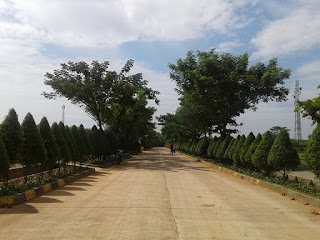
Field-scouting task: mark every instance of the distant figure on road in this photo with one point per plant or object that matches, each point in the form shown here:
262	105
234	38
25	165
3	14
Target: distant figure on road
171	147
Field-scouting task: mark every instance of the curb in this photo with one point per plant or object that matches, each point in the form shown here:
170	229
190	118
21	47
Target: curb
38	191
294	195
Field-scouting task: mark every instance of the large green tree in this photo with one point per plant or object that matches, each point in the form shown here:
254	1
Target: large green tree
113	100
221	87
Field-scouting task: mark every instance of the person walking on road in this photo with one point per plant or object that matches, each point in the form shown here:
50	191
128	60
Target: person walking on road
171	147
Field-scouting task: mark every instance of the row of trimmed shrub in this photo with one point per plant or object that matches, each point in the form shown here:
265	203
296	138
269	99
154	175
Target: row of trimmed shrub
32	145
261	153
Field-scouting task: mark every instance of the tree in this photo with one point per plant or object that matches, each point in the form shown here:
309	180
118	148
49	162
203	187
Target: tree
70	142
260	156
33	151
63	146
96	140
251	151
50	144
283	156
237	151
226	154
80	144
116	101
224	145
204	81
276	130
202	147
234	147
4	164
245	147
211	147
85	139
312	154
310	109
11	134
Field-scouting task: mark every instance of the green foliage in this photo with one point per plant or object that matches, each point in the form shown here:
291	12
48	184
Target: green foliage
204	80
283	156
251	150
300	145
73	149
63	146
211	147
33	151
50	144
85	139
245	147
80	144
116	101
202	147
226	154
216	147
276	130
310	109
4	163
11	134
193	147
234	147
312	155
223	146
260	156
237	151
96	140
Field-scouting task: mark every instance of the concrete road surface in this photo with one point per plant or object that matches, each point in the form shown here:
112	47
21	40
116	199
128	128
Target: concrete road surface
158	196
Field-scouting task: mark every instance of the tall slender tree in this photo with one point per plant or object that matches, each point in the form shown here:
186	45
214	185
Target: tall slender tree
33	151
4	164
11	134
50	144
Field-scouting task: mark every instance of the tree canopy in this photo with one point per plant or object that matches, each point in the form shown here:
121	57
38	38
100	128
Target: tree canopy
216	89
116	101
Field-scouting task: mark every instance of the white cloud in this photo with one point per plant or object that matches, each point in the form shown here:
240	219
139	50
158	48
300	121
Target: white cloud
109	23
228	46
299	30
310	71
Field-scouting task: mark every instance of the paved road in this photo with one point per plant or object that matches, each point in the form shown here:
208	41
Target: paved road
159	196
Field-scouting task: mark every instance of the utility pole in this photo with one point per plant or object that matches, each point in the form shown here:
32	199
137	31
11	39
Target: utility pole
297	121
63	108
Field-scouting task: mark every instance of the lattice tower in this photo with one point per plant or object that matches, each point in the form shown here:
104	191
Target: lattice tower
297	121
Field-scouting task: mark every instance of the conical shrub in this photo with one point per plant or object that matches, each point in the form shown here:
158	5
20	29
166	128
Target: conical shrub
260	156
283	156
251	150
245	147
237	150
4	164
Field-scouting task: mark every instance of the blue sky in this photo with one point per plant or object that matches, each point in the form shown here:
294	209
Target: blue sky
36	36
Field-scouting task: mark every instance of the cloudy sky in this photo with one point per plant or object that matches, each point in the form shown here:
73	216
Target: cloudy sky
37	35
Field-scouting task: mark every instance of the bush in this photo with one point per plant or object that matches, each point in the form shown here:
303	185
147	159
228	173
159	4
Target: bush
251	150
312	155
260	156
237	150
233	148
245	147
211	147
216	147
226	154
283	156
202	147
223	147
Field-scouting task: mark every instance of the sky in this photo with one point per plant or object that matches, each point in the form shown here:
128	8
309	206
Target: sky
36	36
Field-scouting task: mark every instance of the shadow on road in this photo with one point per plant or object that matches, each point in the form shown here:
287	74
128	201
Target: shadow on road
20	209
